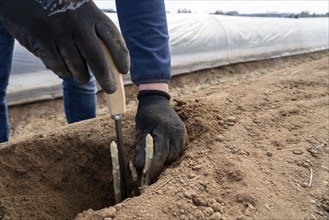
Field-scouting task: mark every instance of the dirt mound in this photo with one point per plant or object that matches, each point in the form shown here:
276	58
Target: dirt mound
258	149
59	174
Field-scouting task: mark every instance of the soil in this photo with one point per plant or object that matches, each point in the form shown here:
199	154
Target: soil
258	149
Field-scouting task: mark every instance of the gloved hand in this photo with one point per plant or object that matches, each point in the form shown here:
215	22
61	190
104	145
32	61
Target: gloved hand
65	35
155	116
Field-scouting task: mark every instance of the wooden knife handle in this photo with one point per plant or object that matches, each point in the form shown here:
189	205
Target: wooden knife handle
116	102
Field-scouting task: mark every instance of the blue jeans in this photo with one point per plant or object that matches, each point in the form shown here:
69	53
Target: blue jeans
79	99
6	53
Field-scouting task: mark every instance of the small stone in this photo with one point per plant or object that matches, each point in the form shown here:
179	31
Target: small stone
312	217
179	102
182	217
313	152
199	215
256	121
299	163
294	98
107	218
269	154
196	89
267	206
241	107
191	175
118	206
219	138
79	216
187	194
208	211
312	201
229	99
221	122
250	210
319	212
211	201
325	207
217	207
219	117
304	184
230	123
197	167
216	216
298	152
108	212
284	113
199	200
232	119
225	126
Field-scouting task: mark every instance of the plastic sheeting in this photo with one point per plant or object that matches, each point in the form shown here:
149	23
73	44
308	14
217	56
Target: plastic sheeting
203	41
197	41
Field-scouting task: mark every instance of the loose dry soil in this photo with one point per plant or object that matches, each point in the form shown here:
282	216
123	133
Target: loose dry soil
258	149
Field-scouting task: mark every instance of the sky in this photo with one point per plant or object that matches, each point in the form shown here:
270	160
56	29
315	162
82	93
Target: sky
242	6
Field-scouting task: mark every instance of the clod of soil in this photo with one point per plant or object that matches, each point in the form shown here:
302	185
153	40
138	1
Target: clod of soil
258	150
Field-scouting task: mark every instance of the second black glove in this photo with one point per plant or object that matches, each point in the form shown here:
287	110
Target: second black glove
155	116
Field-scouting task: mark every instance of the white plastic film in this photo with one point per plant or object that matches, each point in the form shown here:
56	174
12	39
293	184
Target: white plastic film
197	41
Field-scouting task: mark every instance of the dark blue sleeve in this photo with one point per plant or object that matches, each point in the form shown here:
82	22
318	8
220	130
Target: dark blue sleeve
143	25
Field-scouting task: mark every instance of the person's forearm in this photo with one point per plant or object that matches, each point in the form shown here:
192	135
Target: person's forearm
144	26
154	86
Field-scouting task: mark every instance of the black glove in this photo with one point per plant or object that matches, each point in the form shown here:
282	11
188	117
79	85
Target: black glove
155	116
65	35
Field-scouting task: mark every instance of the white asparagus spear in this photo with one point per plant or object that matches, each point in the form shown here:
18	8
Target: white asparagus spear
133	171
115	172
149	149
